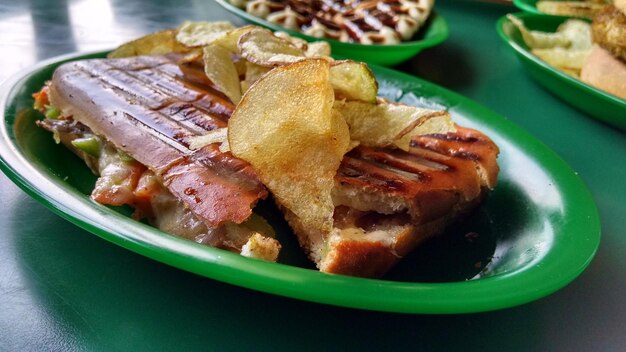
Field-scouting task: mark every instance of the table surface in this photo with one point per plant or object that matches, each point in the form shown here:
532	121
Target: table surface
62	288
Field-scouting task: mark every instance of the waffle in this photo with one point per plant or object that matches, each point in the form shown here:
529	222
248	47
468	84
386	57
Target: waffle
365	22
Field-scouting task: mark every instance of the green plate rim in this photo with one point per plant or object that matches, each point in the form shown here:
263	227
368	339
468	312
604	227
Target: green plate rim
525	6
530	6
436	39
581	86
497	292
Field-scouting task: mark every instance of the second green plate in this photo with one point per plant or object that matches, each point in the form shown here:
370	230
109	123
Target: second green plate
597	103
434	32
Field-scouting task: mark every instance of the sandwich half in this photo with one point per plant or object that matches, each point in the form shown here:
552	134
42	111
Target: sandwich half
130	120
388	201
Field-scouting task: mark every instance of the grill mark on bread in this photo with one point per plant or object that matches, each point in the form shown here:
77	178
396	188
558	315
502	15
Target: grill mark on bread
168	103
459	145
464	144
354	170
402	161
425	183
167	84
191	116
122	82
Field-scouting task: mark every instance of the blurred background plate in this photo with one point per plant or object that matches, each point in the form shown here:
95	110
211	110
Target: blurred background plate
530	6
597	103
432	33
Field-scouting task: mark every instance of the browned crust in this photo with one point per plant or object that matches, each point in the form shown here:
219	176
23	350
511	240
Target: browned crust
367	258
359	258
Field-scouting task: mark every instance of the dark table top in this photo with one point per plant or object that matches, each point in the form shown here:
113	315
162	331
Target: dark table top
62	288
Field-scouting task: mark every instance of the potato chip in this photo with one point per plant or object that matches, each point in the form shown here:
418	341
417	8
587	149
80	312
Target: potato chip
536	39
252	74
263	48
435	124
566	49
285	128
578	33
195	54
194	34
353	80
159	43
241	66
230	39
220	69
297	42
383	124
570	8
317	49
218	135
568	60
574	34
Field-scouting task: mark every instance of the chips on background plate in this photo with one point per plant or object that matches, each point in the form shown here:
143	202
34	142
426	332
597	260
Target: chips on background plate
566	49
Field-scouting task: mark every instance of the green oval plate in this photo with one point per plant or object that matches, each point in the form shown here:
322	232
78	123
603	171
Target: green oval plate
595	102
433	33
527	6
535	233
530	6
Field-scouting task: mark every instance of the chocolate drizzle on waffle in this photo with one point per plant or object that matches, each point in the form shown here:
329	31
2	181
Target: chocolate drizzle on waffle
365	21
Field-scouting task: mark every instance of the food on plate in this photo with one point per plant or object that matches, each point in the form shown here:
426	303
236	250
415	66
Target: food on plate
365	22
293	138
609	30
195	137
605	66
580	8
388	201
605	71
129	119
594	53
566	48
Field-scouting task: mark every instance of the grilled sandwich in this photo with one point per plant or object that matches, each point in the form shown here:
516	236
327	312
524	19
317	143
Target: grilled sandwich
137	114
142	110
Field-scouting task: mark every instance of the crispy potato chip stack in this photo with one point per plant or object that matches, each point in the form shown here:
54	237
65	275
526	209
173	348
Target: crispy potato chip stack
298	110
286	129
295	124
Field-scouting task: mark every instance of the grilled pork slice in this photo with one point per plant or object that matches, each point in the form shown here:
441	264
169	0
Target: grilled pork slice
388	201
147	108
